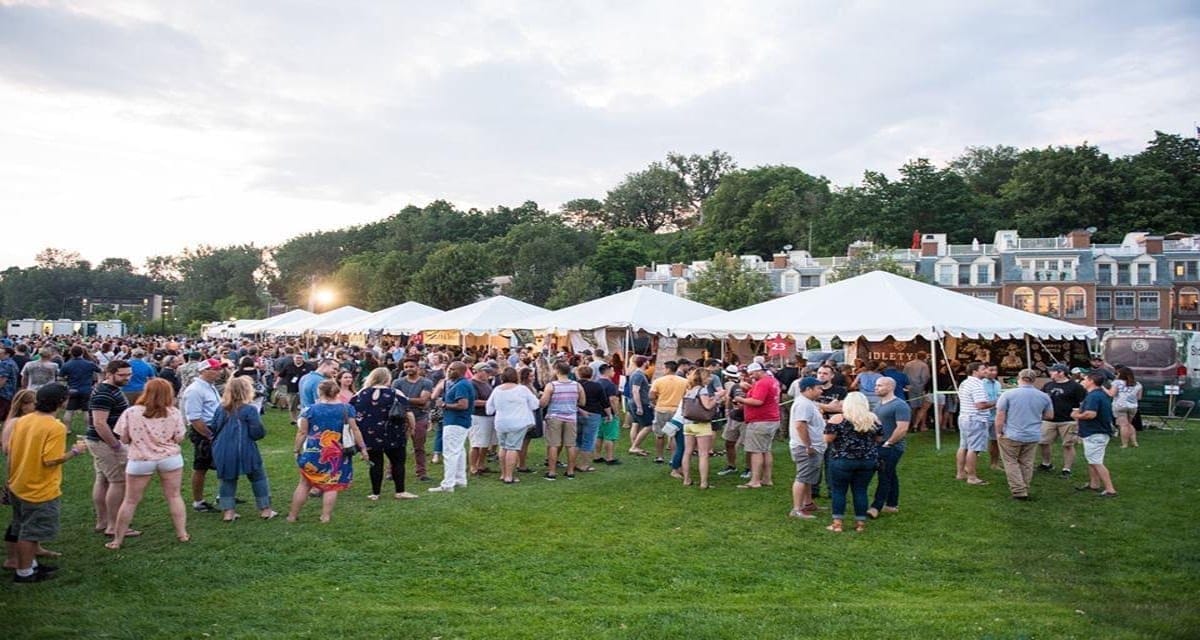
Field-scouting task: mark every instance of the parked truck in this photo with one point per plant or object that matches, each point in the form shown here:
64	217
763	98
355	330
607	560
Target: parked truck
1161	359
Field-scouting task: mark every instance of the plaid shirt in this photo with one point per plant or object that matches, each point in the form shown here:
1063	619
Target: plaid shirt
12	382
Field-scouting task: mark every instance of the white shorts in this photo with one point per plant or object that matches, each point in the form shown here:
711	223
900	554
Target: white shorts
148	467
483	432
1093	448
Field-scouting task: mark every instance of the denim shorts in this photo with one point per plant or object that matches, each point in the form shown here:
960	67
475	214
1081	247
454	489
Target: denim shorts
511	440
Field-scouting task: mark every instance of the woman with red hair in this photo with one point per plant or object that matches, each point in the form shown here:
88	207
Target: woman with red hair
152	430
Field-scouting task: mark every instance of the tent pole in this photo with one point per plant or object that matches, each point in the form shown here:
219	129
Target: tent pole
1028	353
937	422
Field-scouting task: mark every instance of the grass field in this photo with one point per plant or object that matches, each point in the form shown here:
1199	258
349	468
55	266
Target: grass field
627	552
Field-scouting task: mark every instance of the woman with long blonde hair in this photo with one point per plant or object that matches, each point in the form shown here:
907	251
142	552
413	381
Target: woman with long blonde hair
152	429
851	437
237	427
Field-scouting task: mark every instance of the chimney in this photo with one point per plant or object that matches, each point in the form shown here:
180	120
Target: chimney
779	261
1154	245
1082	239
929	246
639	273
677	270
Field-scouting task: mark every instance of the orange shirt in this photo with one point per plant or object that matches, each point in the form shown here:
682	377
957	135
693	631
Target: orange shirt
36	437
668	391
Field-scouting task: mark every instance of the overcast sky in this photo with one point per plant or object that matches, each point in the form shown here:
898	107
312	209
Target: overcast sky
134	128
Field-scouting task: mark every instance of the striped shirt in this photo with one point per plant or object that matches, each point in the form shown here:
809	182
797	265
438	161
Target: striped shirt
564	401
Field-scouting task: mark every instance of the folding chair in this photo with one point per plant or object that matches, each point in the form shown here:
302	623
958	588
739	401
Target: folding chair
1189	405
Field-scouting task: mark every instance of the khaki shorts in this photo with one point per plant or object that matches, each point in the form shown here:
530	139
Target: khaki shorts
108	463
661	418
759	436
1068	431
733	430
558	431
1124	413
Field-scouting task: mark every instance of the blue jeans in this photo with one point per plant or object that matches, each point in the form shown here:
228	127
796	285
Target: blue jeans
437	439
677	456
585	439
887	491
854	475
258	484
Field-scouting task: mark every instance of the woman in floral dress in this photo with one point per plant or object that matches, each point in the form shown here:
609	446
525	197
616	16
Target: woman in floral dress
323	464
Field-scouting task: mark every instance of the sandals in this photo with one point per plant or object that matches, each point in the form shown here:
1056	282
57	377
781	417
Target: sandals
750	486
860	526
872	513
129	533
836	527
269	516
977	482
404	495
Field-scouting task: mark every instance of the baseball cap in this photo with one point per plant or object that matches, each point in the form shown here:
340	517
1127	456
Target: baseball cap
809	382
1060	367
754	366
211	363
485	366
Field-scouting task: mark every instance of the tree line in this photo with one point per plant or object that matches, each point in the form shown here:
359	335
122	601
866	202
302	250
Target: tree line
681	209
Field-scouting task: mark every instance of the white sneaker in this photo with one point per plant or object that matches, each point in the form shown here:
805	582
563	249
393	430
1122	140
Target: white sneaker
441	490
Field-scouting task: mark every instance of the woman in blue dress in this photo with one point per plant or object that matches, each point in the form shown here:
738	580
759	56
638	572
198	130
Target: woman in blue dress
319	450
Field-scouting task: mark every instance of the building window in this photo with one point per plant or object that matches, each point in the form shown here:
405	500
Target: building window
946	274
790	283
1123	273
1143	273
1075	303
990	296
1148	305
1189	301
1186	270
1123	308
983	274
1104	273
1048	302
1103	306
1023	299
808	282
964	275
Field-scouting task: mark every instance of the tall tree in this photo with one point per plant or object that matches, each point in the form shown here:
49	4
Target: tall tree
575	284
728	284
1056	188
453	275
761	210
220	283
652	200
701	173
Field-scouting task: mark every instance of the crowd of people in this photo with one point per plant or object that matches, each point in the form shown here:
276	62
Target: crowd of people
139	399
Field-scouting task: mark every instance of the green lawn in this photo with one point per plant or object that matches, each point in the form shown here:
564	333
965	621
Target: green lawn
628	553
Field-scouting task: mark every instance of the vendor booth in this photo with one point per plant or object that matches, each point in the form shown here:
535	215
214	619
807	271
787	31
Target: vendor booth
486	322
877	306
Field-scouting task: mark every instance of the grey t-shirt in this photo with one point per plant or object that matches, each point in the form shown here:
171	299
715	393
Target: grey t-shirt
414	390
1023	408
40	373
890	413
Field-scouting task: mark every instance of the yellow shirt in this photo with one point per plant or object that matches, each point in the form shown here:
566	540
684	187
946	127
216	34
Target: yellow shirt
36	438
668	391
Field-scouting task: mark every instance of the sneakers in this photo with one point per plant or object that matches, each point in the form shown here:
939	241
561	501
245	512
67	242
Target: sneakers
1065	474
803	515
550	476
203	507
745	475
1046	467
425	479
441	489
41	573
726	471
659	461
612	462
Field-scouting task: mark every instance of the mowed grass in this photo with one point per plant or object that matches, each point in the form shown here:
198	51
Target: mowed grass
627	552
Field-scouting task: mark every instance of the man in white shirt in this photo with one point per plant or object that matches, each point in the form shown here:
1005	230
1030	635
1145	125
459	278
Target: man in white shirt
806	438
974	420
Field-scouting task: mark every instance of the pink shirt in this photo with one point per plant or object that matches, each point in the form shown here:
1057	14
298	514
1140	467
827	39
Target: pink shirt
151	438
767	390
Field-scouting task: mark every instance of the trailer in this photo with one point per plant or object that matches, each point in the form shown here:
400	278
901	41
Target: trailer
65	327
24	328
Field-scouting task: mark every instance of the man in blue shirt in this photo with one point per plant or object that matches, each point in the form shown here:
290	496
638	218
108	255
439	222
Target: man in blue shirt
991	384
1019	416
1095	428
458	405
10	379
142	371
311	380
81	375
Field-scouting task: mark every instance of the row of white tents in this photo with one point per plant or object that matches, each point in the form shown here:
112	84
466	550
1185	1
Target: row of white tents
873	306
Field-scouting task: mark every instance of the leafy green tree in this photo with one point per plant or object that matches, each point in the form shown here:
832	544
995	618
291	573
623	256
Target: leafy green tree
575	284
728	284
618	255
540	252
761	210
701	173
653	199
454	275
1058	188
1162	185
393	274
583	213
220	283
879	259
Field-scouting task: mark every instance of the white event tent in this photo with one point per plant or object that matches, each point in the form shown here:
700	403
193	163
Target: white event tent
323	323
638	309
483	318
384	319
877	305
261	326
